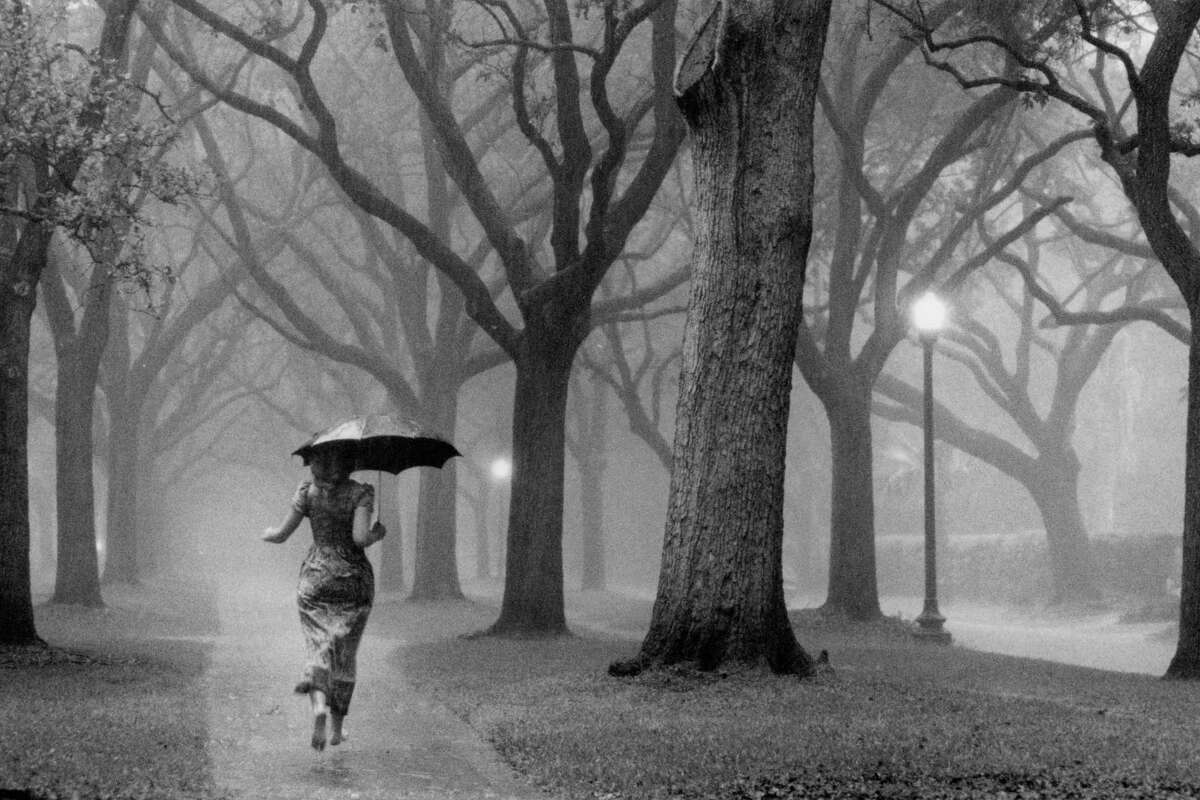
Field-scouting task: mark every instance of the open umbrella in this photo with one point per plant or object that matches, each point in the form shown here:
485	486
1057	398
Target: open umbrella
384	442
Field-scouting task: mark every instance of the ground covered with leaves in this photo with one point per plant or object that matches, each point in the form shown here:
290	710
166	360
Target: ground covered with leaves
112	707
119	709
894	719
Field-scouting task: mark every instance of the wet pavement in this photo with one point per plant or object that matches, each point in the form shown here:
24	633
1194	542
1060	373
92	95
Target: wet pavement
400	744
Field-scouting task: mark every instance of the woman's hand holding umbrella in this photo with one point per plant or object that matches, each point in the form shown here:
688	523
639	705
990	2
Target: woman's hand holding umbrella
378	531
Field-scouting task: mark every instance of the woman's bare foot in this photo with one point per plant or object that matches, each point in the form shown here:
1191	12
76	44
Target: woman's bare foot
320	711
318	733
337	736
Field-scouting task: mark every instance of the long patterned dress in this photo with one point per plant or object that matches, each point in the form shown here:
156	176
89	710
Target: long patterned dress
336	589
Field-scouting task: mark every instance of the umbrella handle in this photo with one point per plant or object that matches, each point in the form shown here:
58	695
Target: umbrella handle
378	495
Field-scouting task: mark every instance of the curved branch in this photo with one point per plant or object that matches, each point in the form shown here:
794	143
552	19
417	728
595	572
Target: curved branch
1117	316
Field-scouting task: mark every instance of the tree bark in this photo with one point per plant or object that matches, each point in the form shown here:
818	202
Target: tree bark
1056	494
17	297
853	586
1185	664
746	88
533	585
124	415
79	353
435	559
78	577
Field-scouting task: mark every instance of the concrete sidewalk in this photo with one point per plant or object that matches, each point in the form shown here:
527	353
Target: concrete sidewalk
400	745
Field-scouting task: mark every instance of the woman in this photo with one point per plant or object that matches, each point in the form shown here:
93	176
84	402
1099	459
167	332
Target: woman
337	584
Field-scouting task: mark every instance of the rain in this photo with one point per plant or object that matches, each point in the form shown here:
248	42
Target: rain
755	398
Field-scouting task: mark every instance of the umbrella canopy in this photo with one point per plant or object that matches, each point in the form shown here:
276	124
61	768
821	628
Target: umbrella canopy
383	442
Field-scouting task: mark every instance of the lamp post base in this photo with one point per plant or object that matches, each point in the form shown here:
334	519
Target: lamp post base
929	628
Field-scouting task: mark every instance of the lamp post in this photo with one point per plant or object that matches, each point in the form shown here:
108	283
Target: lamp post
929	316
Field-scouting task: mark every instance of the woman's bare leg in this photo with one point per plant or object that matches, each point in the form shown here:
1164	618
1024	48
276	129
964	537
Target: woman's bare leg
320	710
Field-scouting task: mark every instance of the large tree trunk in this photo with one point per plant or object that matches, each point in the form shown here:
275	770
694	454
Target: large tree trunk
124	415
1056	493
853	587
746	87
533	579
78	579
79	353
1186	662
17	296
435	558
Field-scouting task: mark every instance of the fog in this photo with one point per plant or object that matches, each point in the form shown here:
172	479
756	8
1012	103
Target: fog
206	529
300	297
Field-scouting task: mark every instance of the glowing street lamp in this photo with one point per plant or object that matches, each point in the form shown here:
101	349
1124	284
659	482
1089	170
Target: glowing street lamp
929	317
501	469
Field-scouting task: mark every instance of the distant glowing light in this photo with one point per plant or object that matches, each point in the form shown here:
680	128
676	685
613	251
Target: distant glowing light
501	469
929	313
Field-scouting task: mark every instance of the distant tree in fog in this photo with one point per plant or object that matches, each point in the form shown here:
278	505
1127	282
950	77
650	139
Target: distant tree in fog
140	347
746	86
1008	350
1128	108
83	304
598	195
639	353
911	169
72	160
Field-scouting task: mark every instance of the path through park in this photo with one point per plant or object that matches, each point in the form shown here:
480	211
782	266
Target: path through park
401	744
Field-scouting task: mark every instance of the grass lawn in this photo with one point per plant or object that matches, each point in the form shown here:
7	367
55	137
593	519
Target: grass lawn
121	715
105	713
893	719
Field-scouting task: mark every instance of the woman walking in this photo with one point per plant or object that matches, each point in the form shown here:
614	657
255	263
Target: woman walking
337	585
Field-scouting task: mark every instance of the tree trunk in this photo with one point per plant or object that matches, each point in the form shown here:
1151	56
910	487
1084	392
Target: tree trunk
746	87
533	580
853	587
79	354
1186	662
124	415
435	559
17	297
1056	493
121	558
78	579
435	554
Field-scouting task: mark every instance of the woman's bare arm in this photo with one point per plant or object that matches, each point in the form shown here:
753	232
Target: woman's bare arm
365	534
285	529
